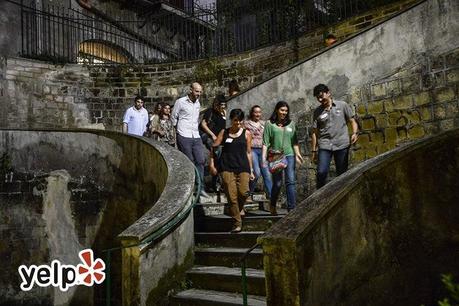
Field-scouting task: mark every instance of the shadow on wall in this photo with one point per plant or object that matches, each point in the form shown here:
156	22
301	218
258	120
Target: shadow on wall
381	234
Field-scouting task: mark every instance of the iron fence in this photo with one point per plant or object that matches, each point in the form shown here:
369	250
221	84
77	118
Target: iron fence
167	31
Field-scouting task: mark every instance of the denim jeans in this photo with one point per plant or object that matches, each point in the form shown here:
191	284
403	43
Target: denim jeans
289	174
194	150
341	158
259	170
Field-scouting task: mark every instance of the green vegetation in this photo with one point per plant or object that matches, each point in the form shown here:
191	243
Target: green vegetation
453	291
5	164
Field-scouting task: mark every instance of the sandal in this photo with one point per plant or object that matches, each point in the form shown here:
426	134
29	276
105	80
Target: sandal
273	210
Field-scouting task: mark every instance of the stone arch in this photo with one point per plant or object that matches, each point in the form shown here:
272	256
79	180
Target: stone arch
104	51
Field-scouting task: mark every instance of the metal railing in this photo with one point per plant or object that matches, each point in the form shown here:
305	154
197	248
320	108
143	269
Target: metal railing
244	274
152	237
167	31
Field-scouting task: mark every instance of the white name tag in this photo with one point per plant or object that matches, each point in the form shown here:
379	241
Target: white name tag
289	129
229	140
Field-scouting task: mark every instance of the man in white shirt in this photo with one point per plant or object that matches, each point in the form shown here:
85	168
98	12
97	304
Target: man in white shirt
135	118
185	116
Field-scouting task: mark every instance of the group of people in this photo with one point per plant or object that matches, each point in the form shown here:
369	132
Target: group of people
250	147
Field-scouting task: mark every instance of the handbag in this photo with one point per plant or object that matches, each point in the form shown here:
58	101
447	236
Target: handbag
277	161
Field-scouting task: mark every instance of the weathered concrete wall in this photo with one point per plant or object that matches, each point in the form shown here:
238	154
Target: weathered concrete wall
163	264
53	203
10	25
157	265
65	191
381	234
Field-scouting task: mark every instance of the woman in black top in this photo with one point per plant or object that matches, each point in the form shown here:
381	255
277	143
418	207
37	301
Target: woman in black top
234	164
213	121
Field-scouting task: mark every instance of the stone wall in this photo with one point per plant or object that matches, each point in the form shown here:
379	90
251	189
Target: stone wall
41	95
381	234
36	94
415	102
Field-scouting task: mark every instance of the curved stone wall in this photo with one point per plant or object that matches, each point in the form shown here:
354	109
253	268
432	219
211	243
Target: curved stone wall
64	191
381	234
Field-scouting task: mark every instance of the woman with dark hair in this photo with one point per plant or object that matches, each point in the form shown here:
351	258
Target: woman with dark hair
235	165
233	88
213	121
256	127
279	138
162	128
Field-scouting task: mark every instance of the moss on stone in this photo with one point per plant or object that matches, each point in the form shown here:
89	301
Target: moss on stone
173	280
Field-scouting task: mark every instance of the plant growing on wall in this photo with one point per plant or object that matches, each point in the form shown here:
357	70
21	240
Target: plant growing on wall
5	165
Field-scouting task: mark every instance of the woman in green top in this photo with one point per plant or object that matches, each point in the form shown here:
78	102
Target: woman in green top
280	134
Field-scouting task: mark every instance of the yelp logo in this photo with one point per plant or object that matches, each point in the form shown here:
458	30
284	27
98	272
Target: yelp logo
87	273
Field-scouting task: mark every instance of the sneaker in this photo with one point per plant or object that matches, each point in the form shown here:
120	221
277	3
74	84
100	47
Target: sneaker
204	194
237	229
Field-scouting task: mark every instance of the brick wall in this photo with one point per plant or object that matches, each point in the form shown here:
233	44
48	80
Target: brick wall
113	88
37	94
414	103
40	95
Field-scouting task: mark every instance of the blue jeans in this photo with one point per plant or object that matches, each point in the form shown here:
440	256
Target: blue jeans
194	150
341	158
259	170
289	174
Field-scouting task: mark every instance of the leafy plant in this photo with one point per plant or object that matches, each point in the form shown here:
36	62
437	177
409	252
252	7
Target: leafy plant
453	290
5	164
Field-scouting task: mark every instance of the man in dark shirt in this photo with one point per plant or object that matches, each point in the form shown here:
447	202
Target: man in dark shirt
213	121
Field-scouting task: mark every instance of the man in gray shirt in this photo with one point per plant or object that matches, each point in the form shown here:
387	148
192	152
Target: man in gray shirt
185	117
330	134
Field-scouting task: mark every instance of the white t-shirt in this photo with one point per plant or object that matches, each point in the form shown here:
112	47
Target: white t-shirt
136	120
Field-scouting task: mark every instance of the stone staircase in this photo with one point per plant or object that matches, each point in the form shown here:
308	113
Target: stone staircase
216	277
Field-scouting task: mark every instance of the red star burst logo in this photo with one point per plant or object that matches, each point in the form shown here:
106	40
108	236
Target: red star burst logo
90	271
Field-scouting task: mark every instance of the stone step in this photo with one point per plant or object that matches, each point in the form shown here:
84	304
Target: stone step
212	209
227	279
253	221
213	197
226	239
196	297
228	257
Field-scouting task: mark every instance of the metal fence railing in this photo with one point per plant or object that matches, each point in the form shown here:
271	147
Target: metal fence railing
174	30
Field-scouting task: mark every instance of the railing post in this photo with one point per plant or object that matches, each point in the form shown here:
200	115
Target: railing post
244	284
108	291
243	273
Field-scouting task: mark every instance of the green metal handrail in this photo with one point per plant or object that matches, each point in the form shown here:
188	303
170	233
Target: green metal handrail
244	275
153	236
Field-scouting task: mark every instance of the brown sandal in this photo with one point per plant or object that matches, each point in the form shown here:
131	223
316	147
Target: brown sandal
273	210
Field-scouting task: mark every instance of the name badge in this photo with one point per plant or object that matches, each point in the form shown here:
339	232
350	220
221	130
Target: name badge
229	140
289	129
